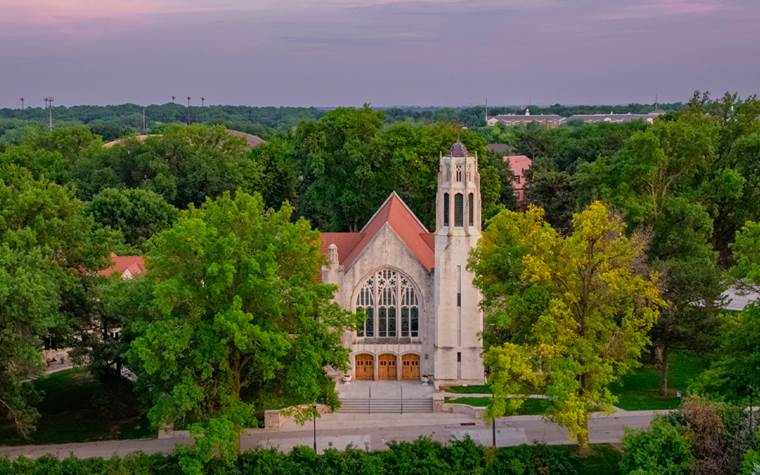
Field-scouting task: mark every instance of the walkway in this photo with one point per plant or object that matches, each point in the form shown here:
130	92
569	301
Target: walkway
371	432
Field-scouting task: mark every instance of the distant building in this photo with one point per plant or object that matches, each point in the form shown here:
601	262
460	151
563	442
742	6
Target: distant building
126	266
510	120
519	164
500	148
614	118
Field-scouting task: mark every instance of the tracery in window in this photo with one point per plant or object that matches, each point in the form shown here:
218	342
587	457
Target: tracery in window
459	172
390	304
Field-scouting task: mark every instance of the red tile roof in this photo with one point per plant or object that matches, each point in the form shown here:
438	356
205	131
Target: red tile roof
120	264
400	218
519	164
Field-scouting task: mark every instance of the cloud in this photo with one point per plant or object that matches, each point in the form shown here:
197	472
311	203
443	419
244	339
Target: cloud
662	8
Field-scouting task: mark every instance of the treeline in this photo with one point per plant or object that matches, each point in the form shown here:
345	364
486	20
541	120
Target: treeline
111	122
114	121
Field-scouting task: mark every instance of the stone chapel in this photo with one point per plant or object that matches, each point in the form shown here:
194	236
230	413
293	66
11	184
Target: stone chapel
423	317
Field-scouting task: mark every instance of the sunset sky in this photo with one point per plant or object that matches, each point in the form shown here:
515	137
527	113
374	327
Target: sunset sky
385	52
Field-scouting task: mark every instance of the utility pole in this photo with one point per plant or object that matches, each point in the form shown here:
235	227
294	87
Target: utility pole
187	119
144	128
49	102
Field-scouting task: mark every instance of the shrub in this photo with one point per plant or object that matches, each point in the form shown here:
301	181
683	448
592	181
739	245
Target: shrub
663	449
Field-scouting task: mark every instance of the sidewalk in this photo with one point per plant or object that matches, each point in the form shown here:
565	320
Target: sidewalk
371	432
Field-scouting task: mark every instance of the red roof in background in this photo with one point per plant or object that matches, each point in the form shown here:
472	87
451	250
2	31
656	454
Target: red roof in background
134	264
519	164
401	219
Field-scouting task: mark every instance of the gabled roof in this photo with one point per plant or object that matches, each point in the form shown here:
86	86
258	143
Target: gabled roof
404	223
133	265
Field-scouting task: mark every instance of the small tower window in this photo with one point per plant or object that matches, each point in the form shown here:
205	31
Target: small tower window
459	210
459	172
471	209
445	209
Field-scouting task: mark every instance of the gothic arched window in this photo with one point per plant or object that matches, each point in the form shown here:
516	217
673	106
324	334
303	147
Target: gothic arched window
471	209
445	209
459	210
390	303
459	172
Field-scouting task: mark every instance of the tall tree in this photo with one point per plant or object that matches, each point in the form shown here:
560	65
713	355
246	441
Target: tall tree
240	310
593	322
137	213
656	179
47	246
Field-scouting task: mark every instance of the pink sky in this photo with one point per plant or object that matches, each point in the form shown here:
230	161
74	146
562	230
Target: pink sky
386	52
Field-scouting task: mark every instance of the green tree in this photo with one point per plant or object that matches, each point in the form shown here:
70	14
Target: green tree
240	310
183	164
589	324
746	249
46	241
137	213
656	180
662	449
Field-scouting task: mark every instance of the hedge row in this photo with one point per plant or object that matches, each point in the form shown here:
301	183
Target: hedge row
420	457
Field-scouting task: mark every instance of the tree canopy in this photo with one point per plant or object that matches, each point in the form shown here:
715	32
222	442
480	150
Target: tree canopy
587	306
239	311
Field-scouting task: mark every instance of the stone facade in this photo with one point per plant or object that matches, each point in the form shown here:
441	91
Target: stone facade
423	317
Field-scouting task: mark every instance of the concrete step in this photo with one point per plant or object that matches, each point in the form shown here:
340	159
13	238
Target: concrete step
386	406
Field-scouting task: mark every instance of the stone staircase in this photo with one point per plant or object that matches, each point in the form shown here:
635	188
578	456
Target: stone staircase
386	406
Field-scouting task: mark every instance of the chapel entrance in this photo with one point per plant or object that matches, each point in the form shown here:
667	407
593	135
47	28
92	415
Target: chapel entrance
410	366
387	367
365	367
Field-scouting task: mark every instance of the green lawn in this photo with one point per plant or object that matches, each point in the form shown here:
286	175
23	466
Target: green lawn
640	388
76	408
530	407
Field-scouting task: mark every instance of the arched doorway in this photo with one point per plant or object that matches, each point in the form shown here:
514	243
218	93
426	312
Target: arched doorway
387	367
365	367
410	366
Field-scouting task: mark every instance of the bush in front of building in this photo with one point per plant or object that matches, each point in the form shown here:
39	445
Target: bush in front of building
423	456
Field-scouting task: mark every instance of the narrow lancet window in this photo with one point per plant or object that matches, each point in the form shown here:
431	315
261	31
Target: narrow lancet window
458	210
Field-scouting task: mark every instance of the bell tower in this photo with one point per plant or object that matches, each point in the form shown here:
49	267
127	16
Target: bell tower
458	318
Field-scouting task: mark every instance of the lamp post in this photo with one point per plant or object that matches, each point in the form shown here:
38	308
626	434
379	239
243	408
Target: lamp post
493	424
314	419
187	119
49	103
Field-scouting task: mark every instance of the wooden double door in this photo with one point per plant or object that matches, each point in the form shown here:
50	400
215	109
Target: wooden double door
365	367
410	367
386	369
